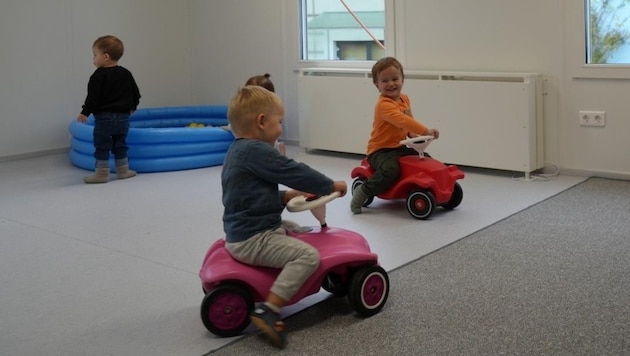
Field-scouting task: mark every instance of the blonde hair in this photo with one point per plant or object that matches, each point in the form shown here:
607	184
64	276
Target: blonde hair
249	102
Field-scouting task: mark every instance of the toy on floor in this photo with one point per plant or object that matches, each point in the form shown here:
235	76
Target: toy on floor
424	182
347	267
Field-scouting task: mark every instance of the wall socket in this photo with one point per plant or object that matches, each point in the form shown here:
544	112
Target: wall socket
593	118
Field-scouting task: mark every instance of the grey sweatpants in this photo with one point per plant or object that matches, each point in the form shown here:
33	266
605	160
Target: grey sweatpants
274	248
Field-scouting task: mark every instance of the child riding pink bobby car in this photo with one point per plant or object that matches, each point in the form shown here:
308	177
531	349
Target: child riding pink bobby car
347	267
424	182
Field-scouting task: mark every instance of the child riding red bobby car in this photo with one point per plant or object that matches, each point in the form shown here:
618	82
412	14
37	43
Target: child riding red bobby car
424	182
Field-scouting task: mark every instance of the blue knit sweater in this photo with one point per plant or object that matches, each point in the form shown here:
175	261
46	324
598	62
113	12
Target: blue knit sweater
252	200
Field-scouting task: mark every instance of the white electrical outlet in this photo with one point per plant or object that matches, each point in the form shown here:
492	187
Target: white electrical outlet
593	118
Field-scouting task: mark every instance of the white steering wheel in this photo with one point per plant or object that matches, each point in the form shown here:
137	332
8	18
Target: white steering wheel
417	140
418	143
301	203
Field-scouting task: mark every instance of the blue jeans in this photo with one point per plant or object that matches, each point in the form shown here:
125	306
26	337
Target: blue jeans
110	134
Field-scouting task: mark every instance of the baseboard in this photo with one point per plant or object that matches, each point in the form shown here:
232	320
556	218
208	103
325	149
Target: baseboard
588	173
34	154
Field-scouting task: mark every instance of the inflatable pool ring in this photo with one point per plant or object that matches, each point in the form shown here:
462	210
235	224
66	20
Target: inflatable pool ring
159	139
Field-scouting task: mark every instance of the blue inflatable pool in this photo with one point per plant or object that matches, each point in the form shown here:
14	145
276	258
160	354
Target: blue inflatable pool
159	140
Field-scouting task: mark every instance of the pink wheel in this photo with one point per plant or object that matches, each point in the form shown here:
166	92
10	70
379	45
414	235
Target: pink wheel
369	290
225	310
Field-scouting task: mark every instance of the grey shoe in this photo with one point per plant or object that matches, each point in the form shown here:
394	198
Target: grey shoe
101	175
124	172
122	168
358	200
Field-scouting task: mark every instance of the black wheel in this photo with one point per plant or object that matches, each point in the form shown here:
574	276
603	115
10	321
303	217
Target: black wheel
357	183
369	289
332	283
225	310
420	204
456	197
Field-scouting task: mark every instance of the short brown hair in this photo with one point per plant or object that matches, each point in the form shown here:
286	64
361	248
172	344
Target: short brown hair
247	104
111	45
383	64
263	81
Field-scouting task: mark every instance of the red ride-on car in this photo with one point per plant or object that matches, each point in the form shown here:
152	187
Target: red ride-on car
424	182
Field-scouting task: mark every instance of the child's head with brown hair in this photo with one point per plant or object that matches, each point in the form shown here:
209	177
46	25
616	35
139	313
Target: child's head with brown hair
388	78
110	45
256	113
383	64
262	81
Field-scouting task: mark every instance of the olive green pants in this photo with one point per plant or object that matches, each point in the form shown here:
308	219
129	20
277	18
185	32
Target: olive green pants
386	167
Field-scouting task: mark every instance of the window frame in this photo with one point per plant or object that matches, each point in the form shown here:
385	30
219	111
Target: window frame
578	47
390	42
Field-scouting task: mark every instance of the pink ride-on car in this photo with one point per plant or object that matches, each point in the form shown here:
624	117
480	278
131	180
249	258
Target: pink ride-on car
347	267
424	182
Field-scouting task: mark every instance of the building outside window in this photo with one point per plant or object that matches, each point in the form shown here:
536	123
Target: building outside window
343	30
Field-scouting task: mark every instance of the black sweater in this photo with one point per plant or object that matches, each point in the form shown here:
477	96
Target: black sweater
111	89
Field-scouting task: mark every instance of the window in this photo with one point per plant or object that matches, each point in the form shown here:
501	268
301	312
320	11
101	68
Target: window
607	31
584	64
343	30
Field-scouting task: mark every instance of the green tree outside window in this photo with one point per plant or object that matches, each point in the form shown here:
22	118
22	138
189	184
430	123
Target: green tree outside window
607	30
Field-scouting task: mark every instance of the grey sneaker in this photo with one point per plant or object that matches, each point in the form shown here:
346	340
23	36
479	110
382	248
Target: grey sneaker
358	200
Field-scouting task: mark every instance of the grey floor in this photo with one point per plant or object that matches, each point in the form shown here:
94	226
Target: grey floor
553	279
112	269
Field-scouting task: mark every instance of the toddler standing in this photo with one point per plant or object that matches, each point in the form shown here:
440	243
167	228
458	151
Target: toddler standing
112	96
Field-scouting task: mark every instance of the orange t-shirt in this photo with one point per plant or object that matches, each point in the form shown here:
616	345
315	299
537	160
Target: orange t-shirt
393	121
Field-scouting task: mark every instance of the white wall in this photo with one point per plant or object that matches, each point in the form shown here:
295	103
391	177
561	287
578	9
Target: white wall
234	40
35	75
46	61
200	51
489	36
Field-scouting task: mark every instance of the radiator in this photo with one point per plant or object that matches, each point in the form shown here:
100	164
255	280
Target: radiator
487	120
